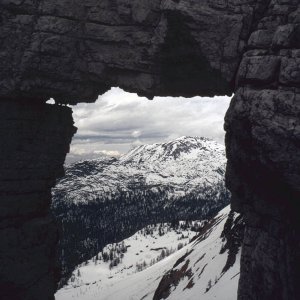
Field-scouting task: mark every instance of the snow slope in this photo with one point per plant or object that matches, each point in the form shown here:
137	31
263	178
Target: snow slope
203	269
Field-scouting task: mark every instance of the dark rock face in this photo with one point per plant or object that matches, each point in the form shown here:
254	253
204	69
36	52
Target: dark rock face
73	50
35	139
263	139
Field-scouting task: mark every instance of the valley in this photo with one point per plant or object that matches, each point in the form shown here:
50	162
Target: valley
106	200
165	262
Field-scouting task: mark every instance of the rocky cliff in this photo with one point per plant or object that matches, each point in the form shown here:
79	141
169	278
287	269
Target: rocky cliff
34	141
74	50
263	135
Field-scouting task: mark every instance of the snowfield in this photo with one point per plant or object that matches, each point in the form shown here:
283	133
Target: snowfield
201	269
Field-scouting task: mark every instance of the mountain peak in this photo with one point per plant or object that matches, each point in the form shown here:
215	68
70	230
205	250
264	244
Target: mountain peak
188	137
180	148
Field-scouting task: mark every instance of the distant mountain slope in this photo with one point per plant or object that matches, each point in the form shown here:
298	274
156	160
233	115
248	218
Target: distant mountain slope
106	200
183	165
207	268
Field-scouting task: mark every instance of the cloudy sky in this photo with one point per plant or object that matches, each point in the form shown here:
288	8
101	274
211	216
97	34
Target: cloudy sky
119	121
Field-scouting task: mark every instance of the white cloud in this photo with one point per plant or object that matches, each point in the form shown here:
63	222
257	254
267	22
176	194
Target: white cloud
120	120
136	133
114	153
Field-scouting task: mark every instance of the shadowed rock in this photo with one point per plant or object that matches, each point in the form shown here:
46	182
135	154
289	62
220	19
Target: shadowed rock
75	50
35	139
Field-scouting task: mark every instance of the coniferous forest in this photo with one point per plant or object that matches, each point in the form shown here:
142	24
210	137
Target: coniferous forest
86	227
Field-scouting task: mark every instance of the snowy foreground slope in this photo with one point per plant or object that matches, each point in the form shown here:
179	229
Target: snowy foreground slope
206	268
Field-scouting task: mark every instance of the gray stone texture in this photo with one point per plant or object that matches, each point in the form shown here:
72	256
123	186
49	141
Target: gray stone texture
73	50
263	150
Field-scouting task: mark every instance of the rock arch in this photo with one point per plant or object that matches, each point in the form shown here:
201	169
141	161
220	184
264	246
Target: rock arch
74	50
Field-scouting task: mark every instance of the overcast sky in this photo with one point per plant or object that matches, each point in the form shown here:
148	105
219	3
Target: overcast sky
119	121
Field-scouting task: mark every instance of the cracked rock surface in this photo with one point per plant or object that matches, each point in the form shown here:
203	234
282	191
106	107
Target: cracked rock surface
263	140
74	50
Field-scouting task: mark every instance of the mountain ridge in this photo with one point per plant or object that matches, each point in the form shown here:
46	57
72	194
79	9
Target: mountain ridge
191	162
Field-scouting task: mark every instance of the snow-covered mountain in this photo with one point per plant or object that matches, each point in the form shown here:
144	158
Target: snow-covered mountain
165	262
108	199
183	165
